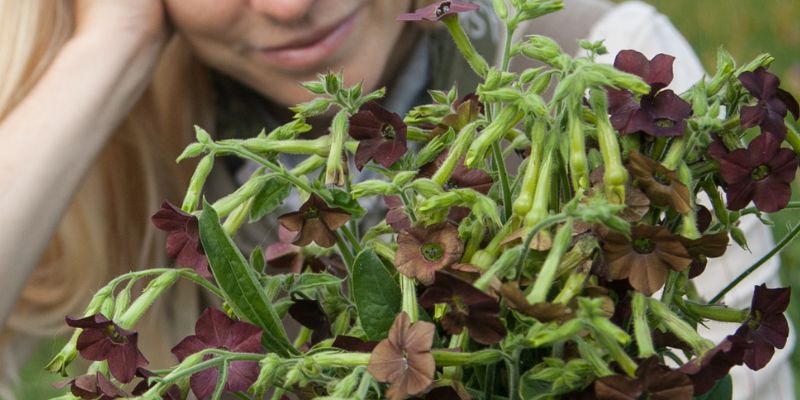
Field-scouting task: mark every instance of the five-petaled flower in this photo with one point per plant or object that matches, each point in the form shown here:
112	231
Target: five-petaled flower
646	258
381	135
183	238
315	221
772	104
766	329
103	340
660	112
214	330
404	358
653	381
438	10
421	251
762	173
712	366
93	387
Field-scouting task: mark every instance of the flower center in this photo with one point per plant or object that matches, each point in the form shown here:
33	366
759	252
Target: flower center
114	335
443	8
643	245
387	131
664	123
432	251
759	173
458	305
311	213
661	178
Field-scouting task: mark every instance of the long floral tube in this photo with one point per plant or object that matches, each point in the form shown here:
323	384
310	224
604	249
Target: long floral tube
615	176
524	201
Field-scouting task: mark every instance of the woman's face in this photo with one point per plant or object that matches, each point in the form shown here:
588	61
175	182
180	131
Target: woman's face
271	45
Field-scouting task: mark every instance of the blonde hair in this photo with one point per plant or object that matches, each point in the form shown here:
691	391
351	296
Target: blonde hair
106	230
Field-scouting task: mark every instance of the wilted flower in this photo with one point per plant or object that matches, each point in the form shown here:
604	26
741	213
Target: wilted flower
468	307
421	251
315	221
653	381
404	359
766	329
396	215
183	238
660	112
103	340
772	104
707	369
646	258
309	314
381	135
456	391
93	387
659	183
438	10
763	174
214	330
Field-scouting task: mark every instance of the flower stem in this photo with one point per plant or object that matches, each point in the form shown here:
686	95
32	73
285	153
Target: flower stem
715	312
641	327
783	243
544	281
352	239
221	379
346	254
409	290
150	294
513	374
446	358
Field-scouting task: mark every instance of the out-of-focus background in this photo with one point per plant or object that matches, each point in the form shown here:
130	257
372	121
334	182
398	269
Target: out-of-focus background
747	28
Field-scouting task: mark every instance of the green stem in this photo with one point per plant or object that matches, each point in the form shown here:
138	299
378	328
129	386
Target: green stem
546	222
445	358
507	49
221	379
151	293
783	243
352	239
513	374
641	327
346	254
302	337
465	46
409	207
544	281
499	162
754	210
716	312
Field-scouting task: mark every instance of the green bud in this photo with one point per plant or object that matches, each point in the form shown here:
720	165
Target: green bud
434	148
530	74
541	48
375	95
107	308
544	281
151	293
533	104
355	92
439	96
543	337
713	112
762	60
122	301
540	84
592	355
371	187
403	177
699	99
333	83
739	237
191	151
507	118
312	108
201	135
500	9
335	173
505	94
197	182
482	259
289	130
266	375
64	358
425	187
679	327
315	87
495	269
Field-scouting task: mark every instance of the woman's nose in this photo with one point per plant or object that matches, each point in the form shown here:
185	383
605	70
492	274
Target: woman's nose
285	11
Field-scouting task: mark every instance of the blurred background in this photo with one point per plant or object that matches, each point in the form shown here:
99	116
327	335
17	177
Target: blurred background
747	28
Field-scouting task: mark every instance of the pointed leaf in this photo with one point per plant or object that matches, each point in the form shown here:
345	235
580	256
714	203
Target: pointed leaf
376	293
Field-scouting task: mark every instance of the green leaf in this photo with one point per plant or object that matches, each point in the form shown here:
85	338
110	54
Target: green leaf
377	295
271	195
239	283
722	390
341	199
309	280
257	259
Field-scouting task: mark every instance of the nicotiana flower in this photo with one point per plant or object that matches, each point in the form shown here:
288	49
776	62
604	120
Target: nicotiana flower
421	251
93	387
214	330
660	112
762	173
438	10
315	221
766	329
707	246
381	135
183	238
646	258
468	307
661	185
311	315
283	255
102	340
173	393
653	381
404	358
467	109
772	104
707	369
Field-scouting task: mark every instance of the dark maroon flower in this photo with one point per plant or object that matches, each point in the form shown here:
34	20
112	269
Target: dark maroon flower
772	104
309	314
183	238
404	358
93	387
660	112
766	329
396	215
381	135
103	340
468	307
653	381
173	393
421	251
438	10
352	343
646	258
315	221
214	330
456	391
762	173
712	366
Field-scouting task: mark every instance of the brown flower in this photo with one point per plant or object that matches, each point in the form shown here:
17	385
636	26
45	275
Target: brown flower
421	251
645	258
404	359
315	221
655	381
659	183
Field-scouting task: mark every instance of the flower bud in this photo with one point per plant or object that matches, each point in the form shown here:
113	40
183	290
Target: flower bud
333	83
315	87
201	135
371	187
197	182
191	151
500	9
312	108
425	187
543	337
541	48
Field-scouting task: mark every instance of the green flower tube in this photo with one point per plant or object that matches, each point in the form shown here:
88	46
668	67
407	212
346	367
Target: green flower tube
335	173
199	177
544	185
464	45
493	133
641	328
578	162
548	272
457	150
320	146
615	175
523	203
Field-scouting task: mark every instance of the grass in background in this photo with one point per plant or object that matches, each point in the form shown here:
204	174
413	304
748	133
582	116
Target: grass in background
747	28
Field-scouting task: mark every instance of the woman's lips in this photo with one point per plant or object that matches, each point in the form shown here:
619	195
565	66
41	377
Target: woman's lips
310	53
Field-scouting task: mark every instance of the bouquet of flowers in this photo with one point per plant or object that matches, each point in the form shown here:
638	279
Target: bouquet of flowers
531	246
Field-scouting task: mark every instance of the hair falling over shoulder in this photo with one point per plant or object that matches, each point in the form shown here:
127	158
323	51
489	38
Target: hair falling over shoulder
106	230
